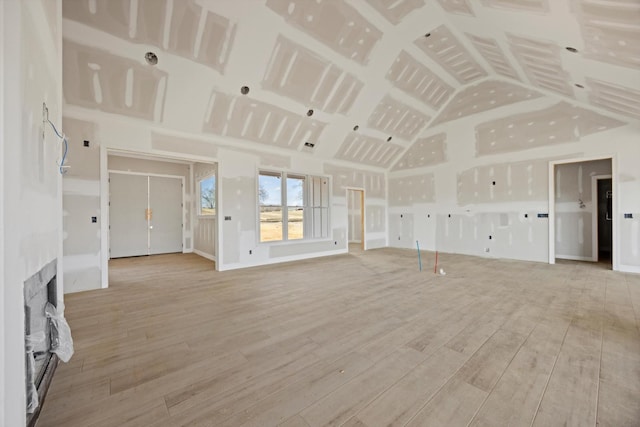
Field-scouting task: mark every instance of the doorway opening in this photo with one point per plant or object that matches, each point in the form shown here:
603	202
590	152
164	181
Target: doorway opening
602	225
157	206
355	212
582	211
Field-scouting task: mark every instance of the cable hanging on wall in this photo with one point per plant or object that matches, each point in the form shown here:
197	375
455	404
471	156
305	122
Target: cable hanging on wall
45	118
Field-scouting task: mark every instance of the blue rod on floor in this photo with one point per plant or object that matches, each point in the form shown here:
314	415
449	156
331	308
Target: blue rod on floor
419	259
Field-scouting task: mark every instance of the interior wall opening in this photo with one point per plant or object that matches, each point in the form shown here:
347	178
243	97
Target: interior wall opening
355	212
582	220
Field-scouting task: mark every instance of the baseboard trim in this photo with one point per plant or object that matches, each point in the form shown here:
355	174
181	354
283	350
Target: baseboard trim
205	255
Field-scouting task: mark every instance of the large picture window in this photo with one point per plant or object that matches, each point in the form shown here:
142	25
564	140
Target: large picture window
292	206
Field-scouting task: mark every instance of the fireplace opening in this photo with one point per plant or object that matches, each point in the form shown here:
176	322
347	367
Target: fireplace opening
39	290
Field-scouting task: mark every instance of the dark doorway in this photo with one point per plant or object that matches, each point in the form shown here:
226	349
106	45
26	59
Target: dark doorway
605	220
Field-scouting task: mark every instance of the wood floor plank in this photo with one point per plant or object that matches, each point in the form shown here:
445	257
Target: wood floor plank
342	403
174	343
398	404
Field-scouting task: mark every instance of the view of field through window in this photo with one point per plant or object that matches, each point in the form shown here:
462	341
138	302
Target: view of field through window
272	212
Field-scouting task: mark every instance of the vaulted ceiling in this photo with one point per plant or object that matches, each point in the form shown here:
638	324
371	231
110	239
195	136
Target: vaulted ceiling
371	82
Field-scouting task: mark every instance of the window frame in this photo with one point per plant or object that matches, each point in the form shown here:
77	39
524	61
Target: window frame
307	207
215	196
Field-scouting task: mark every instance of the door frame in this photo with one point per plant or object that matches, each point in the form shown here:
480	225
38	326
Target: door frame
182	190
594	220
362	215
614	211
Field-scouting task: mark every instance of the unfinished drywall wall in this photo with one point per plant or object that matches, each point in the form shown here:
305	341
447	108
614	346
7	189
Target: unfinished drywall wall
574	208
81	205
558	124
31	185
204	226
409	190
496	204
324	20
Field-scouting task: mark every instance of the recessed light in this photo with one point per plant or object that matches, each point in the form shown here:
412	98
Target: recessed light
244	90
579	85
310	113
428	35
151	58
356	127
571	49
309	144
388	139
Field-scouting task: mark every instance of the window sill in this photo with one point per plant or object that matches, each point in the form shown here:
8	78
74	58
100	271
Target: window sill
296	241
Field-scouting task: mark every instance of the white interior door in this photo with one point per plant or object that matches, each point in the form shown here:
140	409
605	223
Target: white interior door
128	199
165	225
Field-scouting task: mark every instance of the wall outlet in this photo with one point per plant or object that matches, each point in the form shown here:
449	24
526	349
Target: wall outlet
227	218
250	252
628	216
487	250
94	219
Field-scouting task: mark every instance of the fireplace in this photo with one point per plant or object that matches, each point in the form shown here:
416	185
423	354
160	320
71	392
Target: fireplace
39	289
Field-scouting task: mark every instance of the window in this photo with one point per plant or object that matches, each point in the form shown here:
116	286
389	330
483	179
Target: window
207	189
292	206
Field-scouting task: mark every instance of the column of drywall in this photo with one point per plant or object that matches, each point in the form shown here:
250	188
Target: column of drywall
81	208
31	183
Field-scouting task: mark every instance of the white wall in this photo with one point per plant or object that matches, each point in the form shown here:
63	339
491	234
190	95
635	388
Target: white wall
462	208
31	183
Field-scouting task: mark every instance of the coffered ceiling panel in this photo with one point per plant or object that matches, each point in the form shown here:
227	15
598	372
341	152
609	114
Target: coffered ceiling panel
417	80
300	74
99	80
481	97
397	119
181	27
444	48
395	10
367	150
493	54
611	30
244	118
462	7
539	6
542	63
336	24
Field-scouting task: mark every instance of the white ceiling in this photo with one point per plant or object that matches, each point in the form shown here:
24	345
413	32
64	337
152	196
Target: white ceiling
399	69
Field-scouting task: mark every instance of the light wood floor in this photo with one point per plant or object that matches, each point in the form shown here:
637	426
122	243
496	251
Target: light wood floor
362	339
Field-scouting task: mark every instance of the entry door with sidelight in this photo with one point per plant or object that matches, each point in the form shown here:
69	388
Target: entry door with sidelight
145	215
